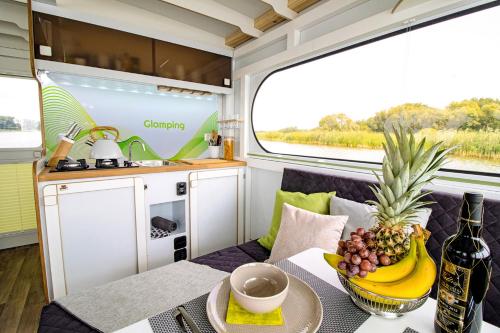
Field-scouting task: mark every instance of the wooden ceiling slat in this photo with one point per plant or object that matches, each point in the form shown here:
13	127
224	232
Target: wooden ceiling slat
267	20
300	5
237	38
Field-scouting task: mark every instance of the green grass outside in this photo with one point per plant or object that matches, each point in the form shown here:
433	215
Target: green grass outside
471	144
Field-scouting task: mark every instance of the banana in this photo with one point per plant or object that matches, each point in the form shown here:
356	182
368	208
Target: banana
386	273
414	285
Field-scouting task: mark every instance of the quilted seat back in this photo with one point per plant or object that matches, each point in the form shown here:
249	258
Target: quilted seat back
442	222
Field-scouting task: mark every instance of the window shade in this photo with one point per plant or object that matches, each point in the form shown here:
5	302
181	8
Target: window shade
17	203
14	40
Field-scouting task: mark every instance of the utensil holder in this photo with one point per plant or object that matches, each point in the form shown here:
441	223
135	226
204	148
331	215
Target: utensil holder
213	151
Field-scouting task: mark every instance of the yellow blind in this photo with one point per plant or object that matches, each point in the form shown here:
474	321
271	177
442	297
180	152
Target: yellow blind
17	202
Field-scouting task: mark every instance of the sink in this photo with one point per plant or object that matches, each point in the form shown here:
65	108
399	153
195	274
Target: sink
155	163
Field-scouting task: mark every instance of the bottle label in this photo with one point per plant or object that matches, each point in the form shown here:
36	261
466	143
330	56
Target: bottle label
452	296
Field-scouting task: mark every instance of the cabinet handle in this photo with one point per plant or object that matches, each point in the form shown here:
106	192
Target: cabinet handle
145	186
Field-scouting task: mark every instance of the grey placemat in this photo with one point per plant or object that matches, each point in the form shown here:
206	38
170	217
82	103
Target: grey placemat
409	330
340	315
115	305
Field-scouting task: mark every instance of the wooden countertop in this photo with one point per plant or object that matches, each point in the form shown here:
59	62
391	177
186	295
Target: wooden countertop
45	175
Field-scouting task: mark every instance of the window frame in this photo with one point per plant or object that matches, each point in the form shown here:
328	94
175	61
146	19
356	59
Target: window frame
360	44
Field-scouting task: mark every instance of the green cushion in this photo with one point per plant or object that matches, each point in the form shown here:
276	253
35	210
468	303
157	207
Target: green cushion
314	202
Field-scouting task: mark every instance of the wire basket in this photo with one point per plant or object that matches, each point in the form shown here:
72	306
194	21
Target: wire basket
387	307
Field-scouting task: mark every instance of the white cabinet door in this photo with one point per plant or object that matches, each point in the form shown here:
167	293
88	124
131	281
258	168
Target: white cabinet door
215	218
96	232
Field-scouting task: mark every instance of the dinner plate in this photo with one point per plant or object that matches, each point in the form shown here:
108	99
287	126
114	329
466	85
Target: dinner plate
302	310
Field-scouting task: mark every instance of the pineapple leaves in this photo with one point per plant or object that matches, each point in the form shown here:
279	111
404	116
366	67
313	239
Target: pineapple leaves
408	166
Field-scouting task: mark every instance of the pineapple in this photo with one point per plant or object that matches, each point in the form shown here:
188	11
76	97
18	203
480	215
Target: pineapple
407	167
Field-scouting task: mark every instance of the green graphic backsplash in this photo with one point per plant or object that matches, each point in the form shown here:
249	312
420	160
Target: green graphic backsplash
61	109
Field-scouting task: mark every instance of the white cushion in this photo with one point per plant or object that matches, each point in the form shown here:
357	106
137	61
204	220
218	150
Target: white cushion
301	229
361	215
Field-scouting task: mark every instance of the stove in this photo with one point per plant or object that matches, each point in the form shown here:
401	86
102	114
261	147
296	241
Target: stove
81	164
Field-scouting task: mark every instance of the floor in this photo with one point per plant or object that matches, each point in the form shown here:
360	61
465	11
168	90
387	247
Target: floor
21	291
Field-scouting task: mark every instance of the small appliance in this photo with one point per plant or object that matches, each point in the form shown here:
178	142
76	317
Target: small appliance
105	151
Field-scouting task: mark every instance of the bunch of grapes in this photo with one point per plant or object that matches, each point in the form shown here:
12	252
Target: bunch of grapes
360	254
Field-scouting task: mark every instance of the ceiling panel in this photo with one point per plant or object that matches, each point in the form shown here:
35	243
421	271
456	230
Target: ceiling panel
185	16
250	8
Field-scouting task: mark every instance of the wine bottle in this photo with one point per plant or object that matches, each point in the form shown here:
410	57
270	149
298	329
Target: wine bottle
465	272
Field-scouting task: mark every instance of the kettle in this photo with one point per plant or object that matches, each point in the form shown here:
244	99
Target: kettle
105	149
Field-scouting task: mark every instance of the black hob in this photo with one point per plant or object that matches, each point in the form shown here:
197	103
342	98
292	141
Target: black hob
81	164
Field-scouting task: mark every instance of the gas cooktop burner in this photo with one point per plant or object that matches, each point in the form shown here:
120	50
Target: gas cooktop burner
67	165
106	164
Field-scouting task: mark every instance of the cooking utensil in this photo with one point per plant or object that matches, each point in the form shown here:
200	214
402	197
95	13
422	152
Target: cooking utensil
104	148
302	310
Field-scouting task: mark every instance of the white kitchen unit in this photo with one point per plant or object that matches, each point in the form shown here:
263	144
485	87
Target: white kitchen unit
216	210
166	196
96	232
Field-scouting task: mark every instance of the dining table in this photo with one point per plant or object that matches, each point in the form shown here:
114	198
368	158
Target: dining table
311	261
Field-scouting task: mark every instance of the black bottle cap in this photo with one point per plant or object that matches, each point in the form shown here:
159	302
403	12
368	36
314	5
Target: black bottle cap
472	207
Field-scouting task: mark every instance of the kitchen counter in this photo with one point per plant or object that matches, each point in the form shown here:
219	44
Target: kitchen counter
45	175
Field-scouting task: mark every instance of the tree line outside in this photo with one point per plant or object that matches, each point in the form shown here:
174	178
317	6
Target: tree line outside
472	124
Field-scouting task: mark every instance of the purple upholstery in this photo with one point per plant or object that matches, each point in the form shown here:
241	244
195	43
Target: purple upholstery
227	259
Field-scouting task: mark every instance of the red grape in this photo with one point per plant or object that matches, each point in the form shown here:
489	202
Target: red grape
369	235
365	265
352	249
373	258
353	233
360	231
355	259
384	260
347	257
340	251
364	253
356	238
354	269
374	268
362	273
342	265
342	244
359	245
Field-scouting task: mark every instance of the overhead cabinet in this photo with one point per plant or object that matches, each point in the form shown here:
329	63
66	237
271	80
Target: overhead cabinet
96	232
74	42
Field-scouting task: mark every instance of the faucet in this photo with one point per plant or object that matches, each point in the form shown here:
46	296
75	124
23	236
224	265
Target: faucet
130	148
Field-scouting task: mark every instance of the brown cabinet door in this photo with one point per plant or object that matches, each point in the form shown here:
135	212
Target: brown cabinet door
80	43
86	44
187	64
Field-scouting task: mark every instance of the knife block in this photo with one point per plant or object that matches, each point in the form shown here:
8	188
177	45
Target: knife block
63	148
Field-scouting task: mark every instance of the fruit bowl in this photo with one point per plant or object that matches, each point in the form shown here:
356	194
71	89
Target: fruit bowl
383	306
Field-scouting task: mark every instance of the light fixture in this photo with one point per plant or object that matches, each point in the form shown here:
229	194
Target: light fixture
183	91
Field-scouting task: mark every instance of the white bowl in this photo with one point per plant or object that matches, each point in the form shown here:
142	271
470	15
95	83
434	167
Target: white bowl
259	287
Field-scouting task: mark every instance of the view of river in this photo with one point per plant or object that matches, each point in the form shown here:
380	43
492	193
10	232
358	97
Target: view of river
372	155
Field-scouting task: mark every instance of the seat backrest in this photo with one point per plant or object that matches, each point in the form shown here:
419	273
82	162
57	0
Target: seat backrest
442	222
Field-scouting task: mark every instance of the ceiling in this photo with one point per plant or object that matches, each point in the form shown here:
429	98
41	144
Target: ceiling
237	21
